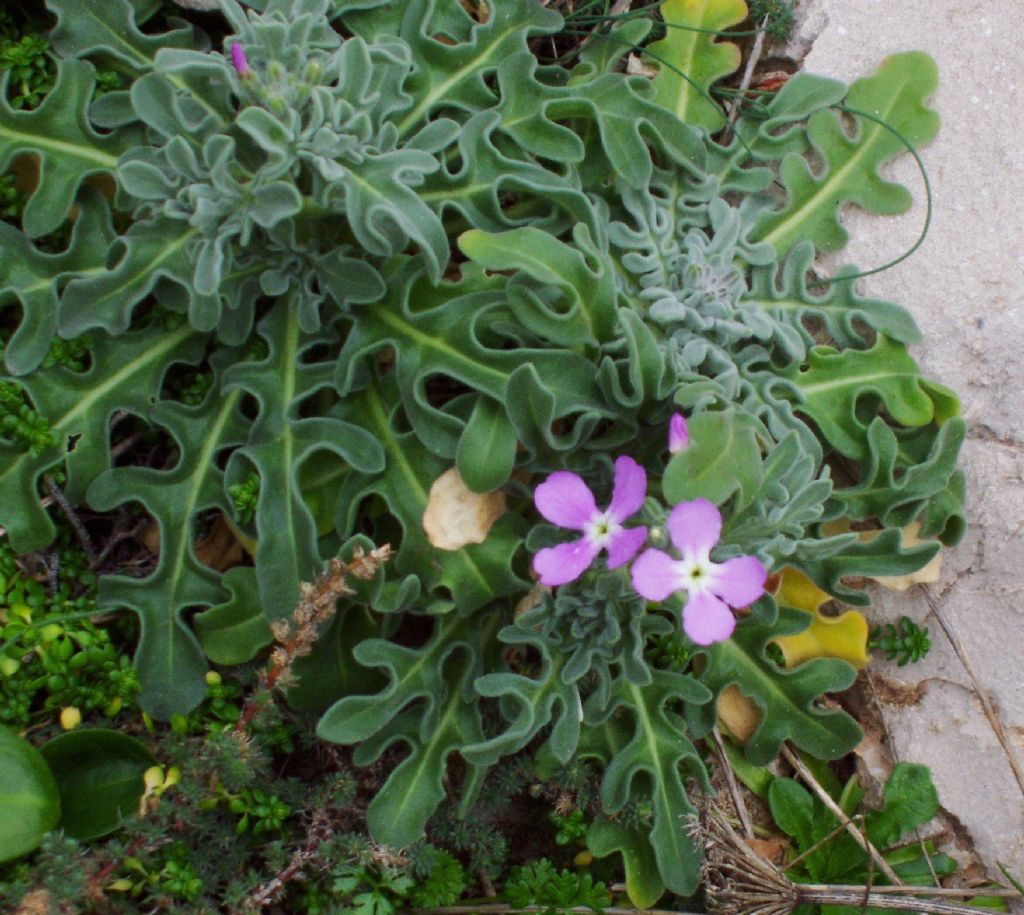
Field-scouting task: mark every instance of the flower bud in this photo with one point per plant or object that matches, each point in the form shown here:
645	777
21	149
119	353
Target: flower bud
678	435
240	61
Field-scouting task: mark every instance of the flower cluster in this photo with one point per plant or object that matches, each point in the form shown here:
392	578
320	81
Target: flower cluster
711	588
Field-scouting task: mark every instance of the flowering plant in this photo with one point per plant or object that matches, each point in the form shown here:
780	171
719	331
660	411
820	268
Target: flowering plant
336	266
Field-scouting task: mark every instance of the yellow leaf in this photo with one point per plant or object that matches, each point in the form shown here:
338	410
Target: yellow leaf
844	637
797	590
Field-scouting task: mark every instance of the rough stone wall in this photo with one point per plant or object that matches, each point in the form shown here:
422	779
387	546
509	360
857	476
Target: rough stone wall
966	290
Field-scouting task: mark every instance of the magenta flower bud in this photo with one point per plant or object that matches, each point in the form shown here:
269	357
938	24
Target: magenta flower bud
678	435
240	61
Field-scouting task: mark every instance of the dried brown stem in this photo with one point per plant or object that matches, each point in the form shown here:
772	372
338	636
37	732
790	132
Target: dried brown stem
730	781
503	908
57	494
318	603
319	832
824	894
748	74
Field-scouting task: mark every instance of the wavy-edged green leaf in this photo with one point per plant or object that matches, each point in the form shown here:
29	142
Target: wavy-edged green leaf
885	555
385	212
33	277
642	742
785	698
896	95
944	515
99	775
287	551
455	75
476	184
894	487
636	373
779	520
476	573
125	373
601	53
618	121
841	391
539	701
585	280
838	307
169	658
644	885
771	131
29	800
438	677
87	27
98	27
151	250
457	330
690	47
58	132
235	631
582	636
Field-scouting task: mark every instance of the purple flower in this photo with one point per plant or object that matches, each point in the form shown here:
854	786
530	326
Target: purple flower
564	499
240	61
678	435
712	587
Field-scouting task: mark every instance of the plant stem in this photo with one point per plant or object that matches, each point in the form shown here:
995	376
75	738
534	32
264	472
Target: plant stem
504	908
883	898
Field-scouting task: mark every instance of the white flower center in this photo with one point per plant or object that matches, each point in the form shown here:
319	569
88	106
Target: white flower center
697	573
601	528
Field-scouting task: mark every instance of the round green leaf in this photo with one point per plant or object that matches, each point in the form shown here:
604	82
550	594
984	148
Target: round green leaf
29	802
99	776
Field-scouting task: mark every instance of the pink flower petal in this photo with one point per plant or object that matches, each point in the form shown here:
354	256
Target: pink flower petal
656	575
558	565
678	434
695	527
740	581
623	546
706	619
630	489
564	499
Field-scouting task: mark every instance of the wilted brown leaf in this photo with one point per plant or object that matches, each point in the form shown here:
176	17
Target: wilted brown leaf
457	516
737	713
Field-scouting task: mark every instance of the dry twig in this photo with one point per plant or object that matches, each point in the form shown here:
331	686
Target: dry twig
730	781
317	604
748	73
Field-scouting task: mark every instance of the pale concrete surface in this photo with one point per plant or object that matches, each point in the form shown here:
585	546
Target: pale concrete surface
965	287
